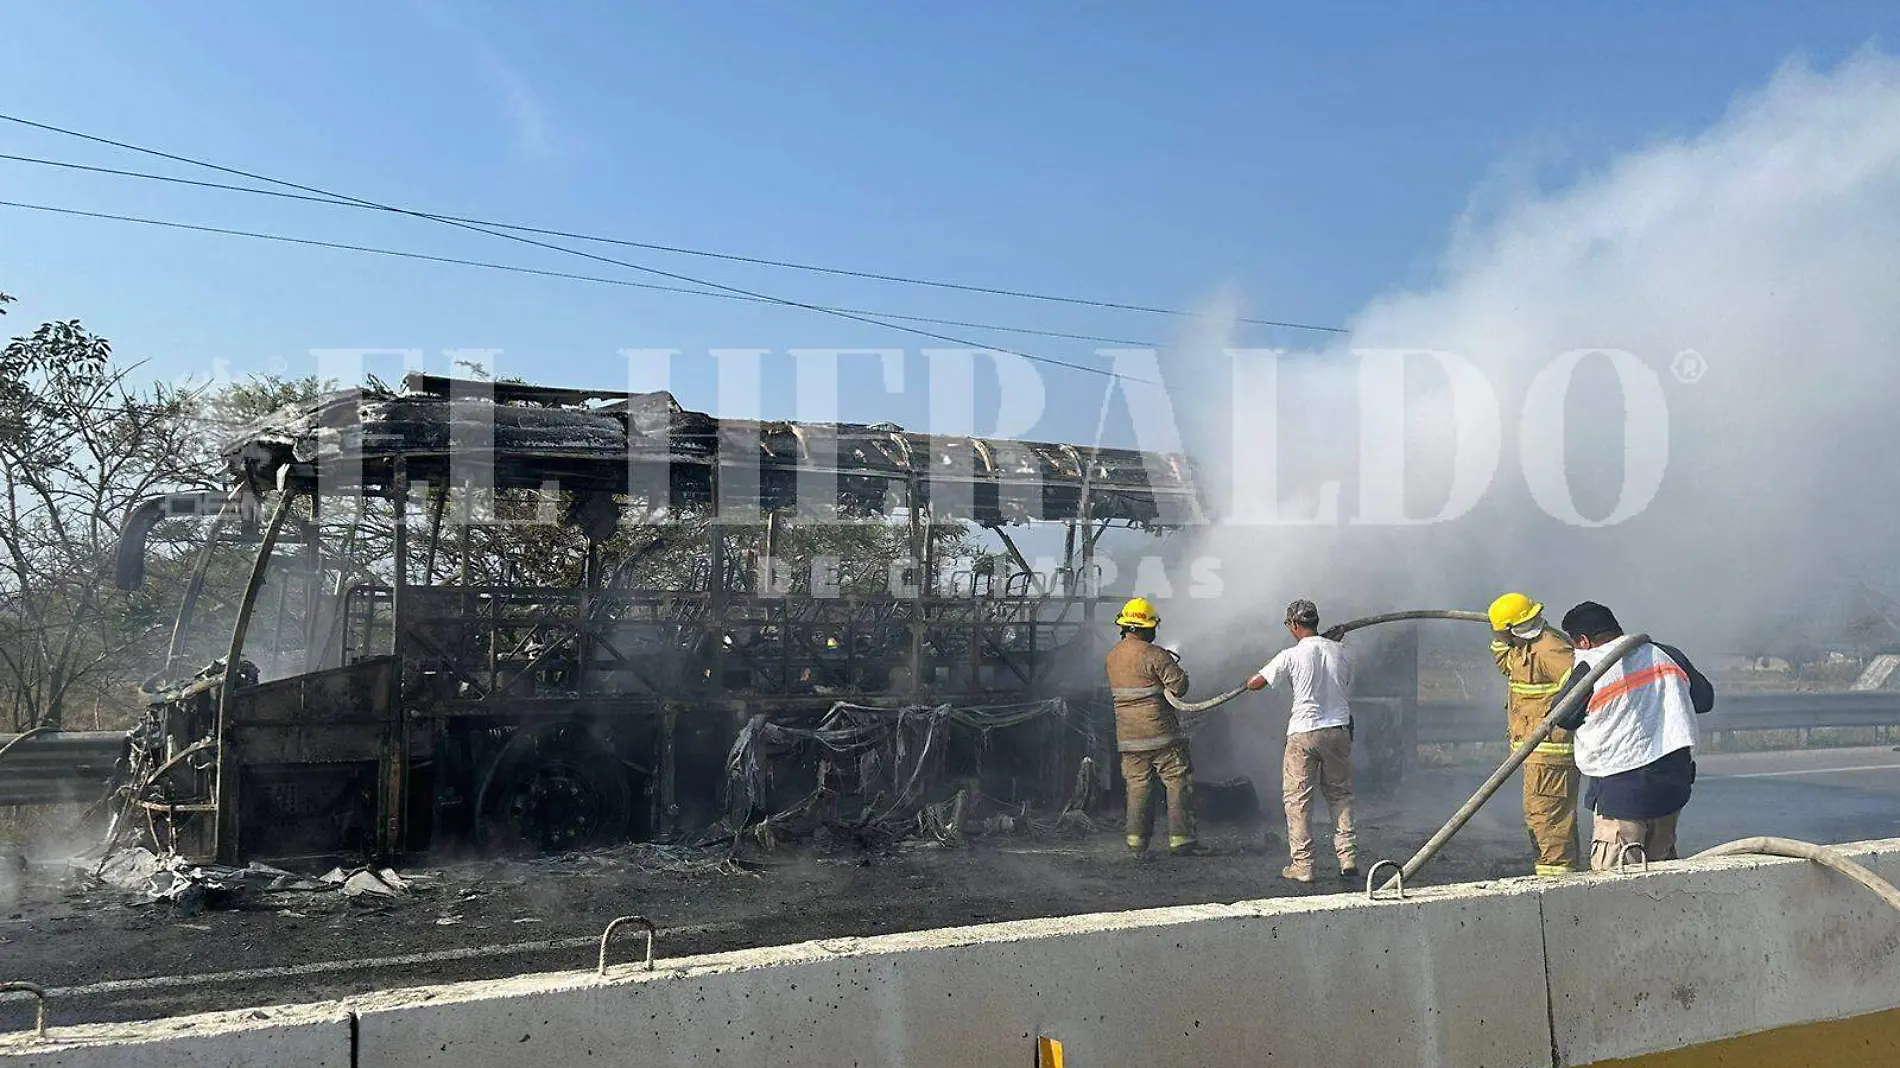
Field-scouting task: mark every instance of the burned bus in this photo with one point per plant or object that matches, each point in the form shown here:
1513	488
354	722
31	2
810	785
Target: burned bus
520	616
479	611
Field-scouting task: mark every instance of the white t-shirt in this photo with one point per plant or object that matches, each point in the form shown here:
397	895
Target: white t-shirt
1317	673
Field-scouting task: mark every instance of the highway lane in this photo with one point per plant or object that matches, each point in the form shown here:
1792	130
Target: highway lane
1816	795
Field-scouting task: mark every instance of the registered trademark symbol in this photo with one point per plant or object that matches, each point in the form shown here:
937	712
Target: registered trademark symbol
1689	366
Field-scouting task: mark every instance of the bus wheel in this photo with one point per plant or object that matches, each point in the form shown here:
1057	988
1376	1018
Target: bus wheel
553	791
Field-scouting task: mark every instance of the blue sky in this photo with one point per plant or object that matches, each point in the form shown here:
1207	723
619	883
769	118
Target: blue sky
1305	162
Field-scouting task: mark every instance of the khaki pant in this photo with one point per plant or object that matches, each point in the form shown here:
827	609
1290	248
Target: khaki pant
1609	837
1550	814
1176	773
1319	759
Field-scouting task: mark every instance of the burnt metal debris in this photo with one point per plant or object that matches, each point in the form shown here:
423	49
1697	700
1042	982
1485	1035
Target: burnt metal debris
377	685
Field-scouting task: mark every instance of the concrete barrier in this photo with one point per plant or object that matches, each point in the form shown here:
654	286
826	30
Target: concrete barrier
1715	950
306	1036
1454	980
1757	961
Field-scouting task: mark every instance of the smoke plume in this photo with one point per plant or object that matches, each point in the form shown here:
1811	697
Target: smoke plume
1750	271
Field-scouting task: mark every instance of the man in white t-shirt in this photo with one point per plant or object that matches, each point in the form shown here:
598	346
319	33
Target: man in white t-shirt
1316	673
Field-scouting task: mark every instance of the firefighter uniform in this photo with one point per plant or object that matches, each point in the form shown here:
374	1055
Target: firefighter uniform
1147	731
1534	670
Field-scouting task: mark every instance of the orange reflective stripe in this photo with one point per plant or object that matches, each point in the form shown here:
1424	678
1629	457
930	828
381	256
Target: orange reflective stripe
1637	681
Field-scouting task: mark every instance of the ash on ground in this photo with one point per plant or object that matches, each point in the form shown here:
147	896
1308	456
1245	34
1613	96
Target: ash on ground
279	936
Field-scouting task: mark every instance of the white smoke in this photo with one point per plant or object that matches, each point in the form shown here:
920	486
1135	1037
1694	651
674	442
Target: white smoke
1769	244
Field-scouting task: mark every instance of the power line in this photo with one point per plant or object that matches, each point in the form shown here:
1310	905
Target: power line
518	238
518	269
793	265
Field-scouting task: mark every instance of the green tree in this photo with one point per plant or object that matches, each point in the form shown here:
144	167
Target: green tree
79	446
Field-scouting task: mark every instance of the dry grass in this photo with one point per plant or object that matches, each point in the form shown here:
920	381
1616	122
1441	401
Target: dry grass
26	825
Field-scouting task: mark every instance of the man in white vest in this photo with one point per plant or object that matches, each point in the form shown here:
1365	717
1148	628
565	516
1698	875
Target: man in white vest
1635	738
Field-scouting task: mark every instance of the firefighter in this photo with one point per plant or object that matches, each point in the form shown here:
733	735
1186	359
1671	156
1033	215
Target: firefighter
1147	731
1534	658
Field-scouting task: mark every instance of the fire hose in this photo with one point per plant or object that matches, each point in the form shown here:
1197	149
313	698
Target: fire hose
1578	694
1764	845
1191	707
1340	630
1822	855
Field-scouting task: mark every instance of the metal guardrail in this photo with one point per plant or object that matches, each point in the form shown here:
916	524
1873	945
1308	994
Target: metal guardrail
1465	722
76	766
59	768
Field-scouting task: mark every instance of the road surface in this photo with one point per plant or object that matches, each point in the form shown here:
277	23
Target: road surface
109	960
1816	795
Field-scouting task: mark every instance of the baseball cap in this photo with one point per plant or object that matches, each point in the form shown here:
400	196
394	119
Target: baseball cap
1305	613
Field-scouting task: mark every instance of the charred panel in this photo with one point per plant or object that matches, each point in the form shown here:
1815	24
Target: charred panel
290	810
337	715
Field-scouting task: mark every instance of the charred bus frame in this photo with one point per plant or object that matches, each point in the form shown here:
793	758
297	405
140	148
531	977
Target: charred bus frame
420	705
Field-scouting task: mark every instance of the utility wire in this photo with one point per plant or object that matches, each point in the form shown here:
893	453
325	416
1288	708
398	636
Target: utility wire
518	269
497	266
343	202
537	243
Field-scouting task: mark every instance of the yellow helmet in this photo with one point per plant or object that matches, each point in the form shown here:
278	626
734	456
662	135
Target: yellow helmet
1138	613
1513	609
